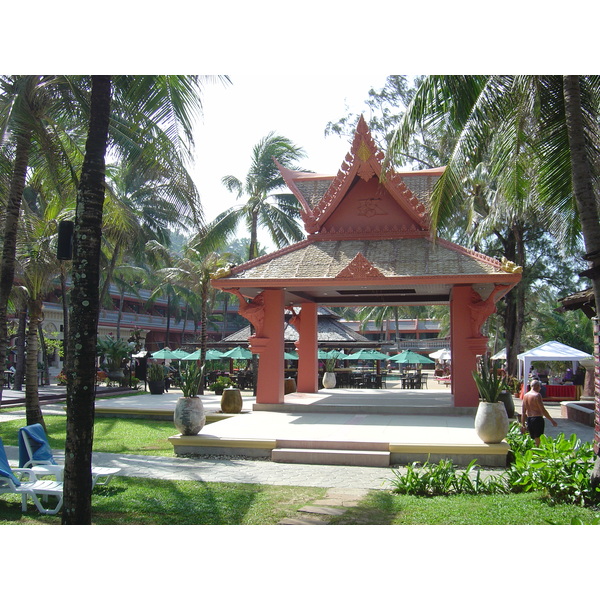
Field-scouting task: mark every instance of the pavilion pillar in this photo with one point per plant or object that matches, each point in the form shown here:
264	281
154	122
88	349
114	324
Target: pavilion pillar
308	365
268	343
467	343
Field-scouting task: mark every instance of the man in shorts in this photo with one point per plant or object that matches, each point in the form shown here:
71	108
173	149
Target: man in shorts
533	413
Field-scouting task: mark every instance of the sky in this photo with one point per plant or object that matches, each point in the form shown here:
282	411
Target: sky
237	116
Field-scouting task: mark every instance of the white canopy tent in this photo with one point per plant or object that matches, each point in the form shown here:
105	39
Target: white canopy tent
501	355
549	351
443	354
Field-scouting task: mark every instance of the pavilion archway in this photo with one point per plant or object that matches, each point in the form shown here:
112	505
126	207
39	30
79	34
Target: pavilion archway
368	243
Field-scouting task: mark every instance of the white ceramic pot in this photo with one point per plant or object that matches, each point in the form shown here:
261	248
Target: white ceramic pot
329	380
189	416
491	422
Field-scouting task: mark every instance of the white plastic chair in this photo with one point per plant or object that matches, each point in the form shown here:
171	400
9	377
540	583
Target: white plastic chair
29	486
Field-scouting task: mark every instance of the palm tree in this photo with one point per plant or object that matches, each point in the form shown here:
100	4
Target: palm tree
36	268
32	107
168	102
277	213
555	116
191	274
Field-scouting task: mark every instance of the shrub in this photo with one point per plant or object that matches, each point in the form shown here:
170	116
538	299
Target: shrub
220	384
559	467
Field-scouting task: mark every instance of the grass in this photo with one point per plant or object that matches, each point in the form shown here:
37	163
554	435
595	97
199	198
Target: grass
122	436
383	508
136	501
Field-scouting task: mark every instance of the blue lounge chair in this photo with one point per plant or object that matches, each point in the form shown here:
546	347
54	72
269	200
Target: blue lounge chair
35	453
29	486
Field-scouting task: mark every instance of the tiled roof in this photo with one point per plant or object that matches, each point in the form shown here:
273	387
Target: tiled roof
411	257
330	331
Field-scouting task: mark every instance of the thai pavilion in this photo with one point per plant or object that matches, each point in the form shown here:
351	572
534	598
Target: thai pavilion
369	243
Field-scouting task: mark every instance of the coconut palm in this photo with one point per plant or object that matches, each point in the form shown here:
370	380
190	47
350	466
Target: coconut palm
32	109
555	116
191	274
277	213
37	266
169	102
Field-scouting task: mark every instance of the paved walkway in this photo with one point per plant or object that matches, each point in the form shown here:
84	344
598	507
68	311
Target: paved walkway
237	470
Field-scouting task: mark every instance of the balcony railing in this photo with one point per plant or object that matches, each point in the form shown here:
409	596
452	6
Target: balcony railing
425	345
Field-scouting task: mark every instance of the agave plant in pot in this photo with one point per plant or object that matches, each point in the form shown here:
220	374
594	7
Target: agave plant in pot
189	416
491	420
329	379
156	378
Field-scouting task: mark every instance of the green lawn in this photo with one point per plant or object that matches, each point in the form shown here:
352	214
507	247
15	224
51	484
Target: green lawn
155	502
123	436
136	501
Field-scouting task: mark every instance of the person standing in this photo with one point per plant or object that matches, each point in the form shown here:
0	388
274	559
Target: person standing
533	413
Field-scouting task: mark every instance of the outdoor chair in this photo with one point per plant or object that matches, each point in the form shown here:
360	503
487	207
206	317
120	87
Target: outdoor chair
35	453
424	379
29	486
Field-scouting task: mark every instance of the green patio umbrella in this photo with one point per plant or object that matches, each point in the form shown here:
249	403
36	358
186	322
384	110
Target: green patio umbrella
238	353
210	355
367	354
180	353
408	357
165	353
290	356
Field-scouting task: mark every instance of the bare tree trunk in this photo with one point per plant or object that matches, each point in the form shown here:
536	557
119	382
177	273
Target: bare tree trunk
81	374
65	307
33	411
9	247
587	207
44	351
20	345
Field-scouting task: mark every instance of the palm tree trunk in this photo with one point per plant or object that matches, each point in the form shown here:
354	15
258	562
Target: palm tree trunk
9	247
514	314
168	320
20	348
33	411
587	206
203	332
44	350
185	316
85	305
120	313
65	307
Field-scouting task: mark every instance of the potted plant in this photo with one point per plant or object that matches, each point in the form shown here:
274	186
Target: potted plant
491	420
220	384
156	378
113	352
329	380
189	416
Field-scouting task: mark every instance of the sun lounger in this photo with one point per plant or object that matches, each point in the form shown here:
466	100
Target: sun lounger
35	453
29	486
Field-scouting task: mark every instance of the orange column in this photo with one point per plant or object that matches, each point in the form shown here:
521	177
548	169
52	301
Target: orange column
308	364
269	345
465	347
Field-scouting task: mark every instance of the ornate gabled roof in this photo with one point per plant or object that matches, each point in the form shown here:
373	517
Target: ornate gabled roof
368	241
362	199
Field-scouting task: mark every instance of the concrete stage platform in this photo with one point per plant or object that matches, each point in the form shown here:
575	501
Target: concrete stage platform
349	427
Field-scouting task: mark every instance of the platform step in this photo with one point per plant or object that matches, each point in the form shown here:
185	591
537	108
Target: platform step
334	445
324	456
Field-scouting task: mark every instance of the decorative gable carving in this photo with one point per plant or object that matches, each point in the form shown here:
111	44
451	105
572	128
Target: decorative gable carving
359	268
